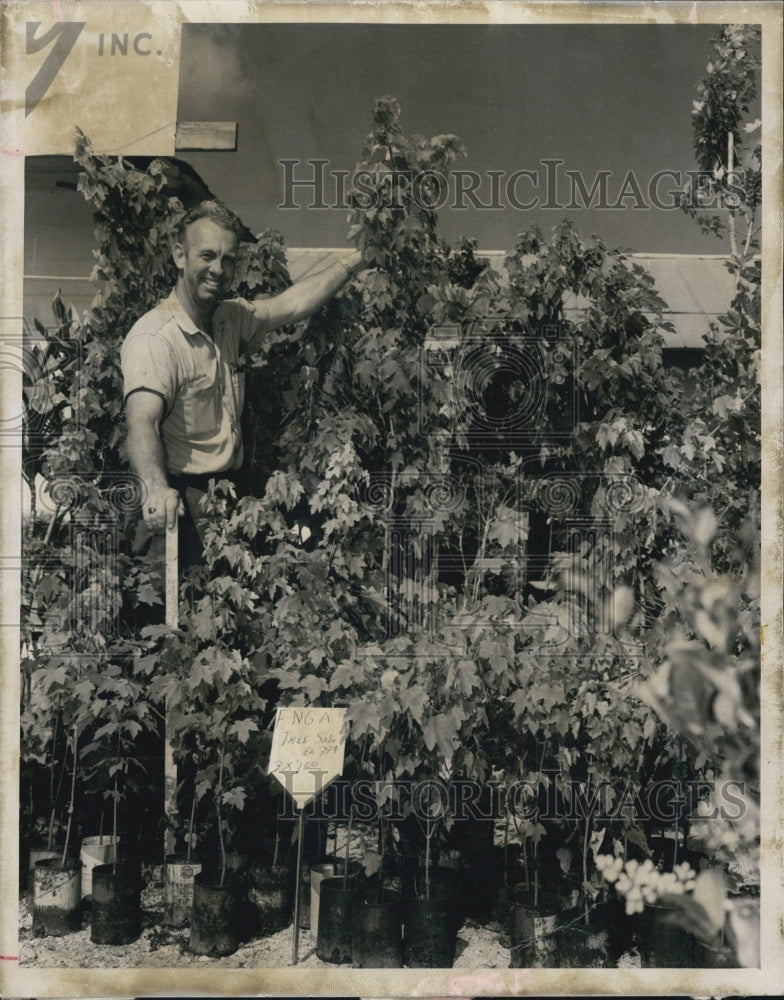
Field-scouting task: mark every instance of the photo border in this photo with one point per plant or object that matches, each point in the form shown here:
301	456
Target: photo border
148	130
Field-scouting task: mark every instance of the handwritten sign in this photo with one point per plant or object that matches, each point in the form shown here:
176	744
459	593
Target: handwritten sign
308	746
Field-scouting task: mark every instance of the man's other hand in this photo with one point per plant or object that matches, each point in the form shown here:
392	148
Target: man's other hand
162	507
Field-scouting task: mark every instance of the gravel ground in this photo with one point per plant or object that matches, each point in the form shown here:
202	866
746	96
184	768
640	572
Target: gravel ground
479	946
159	947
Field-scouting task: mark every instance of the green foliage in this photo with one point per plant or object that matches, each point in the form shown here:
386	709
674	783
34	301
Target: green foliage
731	171
725	94
85	598
705	639
706	636
330	583
208	672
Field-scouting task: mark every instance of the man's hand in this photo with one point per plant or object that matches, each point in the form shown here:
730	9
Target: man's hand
162	507
144	412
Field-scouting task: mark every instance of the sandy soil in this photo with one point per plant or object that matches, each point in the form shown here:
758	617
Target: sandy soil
160	947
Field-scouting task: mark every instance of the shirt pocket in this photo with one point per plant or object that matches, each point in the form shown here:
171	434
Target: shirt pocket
201	408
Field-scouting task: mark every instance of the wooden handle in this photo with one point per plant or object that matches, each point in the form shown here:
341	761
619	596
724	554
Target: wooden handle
172	620
172	577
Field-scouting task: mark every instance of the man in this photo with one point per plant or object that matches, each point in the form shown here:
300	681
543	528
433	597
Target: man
183	392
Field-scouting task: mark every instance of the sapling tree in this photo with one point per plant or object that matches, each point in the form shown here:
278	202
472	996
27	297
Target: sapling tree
728	188
205	671
121	713
704	638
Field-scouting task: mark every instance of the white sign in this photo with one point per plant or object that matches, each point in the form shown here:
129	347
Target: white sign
308	745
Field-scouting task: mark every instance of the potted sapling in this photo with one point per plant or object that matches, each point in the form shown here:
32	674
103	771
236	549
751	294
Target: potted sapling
270	892
334	901
220	887
179	872
537	890
330	866
433	726
51	681
43	722
57	897
43	742
123	714
417	737
377	916
432	913
535	909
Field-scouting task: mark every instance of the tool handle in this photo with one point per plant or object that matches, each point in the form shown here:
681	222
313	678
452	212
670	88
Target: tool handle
172	576
172	620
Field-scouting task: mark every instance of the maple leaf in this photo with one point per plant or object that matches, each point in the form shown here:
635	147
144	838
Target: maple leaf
312	686
443	730
413	699
364	717
520	700
242	729
147	594
234	797
201	788
132	728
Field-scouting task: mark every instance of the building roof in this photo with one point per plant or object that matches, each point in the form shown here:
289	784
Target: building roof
59	241
697	288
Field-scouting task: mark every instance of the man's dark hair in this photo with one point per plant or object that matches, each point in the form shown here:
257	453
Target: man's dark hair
216	211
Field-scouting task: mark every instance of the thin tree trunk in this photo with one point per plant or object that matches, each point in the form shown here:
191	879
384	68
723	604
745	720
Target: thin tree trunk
220	825
730	169
428	835
348	848
54	795
114	828
585	863
190	828
114	809
73	797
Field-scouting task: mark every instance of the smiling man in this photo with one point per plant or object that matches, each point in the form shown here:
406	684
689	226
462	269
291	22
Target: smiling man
183	391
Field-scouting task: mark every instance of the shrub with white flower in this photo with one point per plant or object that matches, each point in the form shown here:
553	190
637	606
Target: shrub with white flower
734	836
641	882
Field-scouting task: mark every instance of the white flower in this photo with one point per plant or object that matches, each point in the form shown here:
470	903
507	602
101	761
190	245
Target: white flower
683	872
649	894
646	873
609	866
668	883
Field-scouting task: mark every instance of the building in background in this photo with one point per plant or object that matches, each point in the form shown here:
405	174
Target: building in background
59	242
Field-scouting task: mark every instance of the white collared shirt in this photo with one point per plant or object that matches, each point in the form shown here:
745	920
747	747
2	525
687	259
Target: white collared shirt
197	378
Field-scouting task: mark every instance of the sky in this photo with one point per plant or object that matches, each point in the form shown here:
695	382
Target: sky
613	98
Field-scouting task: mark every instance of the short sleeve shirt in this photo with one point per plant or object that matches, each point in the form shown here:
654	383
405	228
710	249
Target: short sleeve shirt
197	378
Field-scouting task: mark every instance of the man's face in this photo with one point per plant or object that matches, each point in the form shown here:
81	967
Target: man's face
206	260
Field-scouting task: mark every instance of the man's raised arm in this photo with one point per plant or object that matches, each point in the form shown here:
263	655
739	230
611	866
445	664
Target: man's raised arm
307	295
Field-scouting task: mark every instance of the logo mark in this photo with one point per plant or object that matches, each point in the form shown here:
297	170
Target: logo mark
63	36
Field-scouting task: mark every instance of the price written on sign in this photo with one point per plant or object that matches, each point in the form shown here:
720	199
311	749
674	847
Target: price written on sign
308	746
